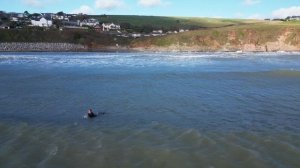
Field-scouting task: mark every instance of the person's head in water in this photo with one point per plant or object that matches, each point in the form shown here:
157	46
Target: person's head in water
91	113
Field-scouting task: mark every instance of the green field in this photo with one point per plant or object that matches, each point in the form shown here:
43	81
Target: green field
172	23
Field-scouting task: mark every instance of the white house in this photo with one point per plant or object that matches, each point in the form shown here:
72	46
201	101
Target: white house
14	19
89	22
42	22
157	31
4	27
110	26
182	30
136	35
21	15
60	17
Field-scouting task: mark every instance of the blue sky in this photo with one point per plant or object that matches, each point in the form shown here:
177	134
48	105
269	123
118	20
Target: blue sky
193	8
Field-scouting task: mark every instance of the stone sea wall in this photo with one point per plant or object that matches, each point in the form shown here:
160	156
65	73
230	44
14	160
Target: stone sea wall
17	46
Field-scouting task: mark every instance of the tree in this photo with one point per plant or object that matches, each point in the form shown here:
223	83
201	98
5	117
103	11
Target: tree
81	17
147	29
61	13
13	25
57	23
4	19
3	16
26	13
35	15
126	25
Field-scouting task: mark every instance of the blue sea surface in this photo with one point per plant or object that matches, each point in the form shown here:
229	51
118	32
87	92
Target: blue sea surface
156	109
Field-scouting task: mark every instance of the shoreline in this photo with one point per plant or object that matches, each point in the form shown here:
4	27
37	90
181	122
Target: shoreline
71	47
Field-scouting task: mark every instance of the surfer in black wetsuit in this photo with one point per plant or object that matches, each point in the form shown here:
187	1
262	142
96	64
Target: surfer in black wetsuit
91	114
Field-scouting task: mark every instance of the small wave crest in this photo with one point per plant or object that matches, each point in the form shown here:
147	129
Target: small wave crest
218	60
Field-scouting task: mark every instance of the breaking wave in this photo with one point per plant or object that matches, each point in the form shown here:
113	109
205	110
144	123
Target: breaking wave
207	61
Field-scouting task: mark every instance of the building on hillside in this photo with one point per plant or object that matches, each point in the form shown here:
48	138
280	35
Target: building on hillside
57	17
4	26
136	35
72	15
157	32
110	26
182	30
20	15
14	19
48	16
61	16
74	23
42	22
89	22
98	28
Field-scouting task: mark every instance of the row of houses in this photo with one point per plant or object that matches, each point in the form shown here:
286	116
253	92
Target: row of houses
47	20
73	21
94	23
154	33
21	16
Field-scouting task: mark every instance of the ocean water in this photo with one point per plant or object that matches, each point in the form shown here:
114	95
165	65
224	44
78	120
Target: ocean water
157	110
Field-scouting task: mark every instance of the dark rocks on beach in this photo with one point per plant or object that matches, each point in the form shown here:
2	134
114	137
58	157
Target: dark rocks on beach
18	46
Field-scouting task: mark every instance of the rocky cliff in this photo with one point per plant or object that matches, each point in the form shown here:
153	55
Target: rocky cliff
255	39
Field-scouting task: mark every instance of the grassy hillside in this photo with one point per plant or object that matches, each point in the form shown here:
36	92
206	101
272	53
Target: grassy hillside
160	22
235	37
209	34
85	37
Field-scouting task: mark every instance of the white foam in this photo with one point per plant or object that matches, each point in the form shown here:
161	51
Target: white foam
145	59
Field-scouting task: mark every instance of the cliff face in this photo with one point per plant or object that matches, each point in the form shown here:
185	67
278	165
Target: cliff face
285	40
260	39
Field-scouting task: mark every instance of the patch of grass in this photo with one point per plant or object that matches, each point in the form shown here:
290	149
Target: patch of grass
171	23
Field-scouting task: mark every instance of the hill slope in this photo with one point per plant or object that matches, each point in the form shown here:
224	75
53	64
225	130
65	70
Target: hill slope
265	36
208	34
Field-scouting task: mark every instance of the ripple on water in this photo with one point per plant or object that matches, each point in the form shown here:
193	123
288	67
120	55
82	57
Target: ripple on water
156	145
